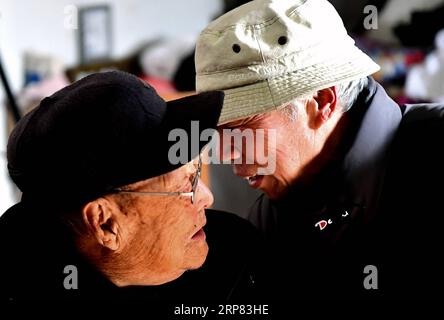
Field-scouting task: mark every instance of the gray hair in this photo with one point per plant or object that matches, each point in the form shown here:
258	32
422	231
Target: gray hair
347	94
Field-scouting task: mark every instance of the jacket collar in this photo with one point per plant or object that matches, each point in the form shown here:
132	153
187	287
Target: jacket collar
363	166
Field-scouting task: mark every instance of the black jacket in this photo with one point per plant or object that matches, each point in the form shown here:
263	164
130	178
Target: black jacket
35	250
378	203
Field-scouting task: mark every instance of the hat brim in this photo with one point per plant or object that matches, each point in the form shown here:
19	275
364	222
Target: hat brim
190	115
203	107
277	92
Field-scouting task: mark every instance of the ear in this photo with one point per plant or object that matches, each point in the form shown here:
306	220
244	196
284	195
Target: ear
325	104
101	218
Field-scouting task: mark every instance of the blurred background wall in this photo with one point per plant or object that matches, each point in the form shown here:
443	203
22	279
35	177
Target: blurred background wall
39	26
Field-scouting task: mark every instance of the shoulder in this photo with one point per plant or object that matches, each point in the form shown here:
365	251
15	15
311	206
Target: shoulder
11	216
421	112
13	226
35	252
421	132
411	212
427	118
417	152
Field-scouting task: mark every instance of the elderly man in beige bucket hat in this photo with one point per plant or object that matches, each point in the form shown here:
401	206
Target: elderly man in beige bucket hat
353	171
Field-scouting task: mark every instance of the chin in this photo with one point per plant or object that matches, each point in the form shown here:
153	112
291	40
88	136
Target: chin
198	259
273	194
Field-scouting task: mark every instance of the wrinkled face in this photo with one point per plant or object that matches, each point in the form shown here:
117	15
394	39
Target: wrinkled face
293	149
166	237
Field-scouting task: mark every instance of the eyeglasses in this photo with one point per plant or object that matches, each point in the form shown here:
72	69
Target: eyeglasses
192	193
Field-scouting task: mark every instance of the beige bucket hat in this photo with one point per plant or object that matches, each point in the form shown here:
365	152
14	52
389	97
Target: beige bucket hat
266	53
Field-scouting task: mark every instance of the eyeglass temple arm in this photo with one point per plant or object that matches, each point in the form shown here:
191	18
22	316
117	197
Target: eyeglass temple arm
186	194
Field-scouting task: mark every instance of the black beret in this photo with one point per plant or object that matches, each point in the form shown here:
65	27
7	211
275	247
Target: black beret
104	131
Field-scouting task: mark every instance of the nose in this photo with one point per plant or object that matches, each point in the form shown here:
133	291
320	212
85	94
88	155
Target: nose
229	153
204	197
227	150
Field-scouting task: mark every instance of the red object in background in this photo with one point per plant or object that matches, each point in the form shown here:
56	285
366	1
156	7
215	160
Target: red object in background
414	57
160	85
403	99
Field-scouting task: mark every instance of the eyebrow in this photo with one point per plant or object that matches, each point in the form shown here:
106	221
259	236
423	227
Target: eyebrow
187	174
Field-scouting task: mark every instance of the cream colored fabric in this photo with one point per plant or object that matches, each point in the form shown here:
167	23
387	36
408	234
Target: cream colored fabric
266	53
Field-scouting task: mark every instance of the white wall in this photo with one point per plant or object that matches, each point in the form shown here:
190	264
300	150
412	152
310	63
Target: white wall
6	189
39	26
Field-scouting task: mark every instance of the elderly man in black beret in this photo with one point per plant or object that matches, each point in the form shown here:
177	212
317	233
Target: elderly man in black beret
104	213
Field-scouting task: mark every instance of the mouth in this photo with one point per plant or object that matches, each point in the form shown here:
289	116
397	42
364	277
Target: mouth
199	235
255	180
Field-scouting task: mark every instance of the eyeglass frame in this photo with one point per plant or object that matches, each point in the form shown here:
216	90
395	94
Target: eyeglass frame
191	194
